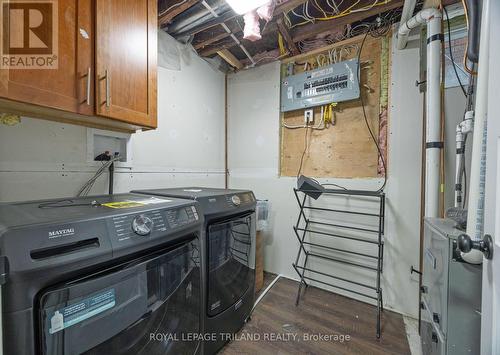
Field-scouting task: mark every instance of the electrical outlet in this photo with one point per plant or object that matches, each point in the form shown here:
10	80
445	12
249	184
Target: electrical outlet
309	117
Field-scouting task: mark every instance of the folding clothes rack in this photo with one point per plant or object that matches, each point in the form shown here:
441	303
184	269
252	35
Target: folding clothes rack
306	225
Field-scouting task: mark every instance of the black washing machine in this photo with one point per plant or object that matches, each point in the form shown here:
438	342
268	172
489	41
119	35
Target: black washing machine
229	258
101	275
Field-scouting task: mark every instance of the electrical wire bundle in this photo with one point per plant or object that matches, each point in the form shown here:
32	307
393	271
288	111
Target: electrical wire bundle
87	187
378	27
369	31
333	12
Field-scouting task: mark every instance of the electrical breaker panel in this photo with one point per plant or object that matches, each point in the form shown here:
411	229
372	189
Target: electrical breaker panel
333	83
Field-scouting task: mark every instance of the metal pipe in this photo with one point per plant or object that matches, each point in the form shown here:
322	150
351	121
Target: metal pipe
196	16
475	216
408	8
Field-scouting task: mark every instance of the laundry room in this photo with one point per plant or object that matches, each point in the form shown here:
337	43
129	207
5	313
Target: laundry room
242	177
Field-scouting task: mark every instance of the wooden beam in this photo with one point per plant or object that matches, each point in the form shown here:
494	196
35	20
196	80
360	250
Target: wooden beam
303	56
230	58
288	6
166	17
285	7
229	42
307	31
205	39
286	36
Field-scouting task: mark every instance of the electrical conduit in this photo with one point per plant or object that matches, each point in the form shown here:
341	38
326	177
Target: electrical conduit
432	17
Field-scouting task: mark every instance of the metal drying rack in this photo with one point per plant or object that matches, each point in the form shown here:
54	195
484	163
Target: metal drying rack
306	225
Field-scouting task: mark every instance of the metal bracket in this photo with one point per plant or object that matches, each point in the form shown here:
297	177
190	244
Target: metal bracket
413	270
418	83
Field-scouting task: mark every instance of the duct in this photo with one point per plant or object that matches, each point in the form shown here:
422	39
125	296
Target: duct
432	17
196	16
473	15
475	217
408	8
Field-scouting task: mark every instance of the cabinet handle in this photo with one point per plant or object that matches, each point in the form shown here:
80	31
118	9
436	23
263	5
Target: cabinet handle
88	86
108	97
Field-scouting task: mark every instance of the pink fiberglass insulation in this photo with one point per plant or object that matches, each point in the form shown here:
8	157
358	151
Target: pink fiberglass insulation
252	26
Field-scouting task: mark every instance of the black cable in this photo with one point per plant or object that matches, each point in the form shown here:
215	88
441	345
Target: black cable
451	53
303	153
381	155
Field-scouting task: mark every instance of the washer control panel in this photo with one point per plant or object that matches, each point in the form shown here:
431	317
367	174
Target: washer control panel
152	224
240	199
236	200
142	225
182	216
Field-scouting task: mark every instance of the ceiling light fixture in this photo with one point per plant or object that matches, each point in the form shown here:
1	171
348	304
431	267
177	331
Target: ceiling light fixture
243	6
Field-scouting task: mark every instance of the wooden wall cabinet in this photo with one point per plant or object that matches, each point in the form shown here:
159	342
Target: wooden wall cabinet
126	60
106	75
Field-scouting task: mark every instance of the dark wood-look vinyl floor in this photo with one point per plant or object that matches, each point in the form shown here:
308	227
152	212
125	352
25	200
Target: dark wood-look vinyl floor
276	320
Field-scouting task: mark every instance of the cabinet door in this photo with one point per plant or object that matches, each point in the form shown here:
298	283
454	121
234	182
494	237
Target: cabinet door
69	87
126	60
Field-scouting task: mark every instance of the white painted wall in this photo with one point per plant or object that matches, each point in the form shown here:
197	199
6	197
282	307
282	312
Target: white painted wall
254	163
41	159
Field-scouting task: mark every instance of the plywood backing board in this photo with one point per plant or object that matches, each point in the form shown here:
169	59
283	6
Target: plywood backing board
345	150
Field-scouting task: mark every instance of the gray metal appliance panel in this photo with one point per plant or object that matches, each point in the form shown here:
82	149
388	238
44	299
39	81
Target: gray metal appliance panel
333	83
430	346
435	274
52	241
464	308
214	202
451	319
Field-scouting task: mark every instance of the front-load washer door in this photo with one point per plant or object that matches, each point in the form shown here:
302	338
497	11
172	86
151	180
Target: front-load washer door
231	261
147	306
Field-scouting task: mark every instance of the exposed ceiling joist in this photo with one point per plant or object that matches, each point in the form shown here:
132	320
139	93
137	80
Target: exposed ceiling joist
288	6
166	17
307	31
230	59
311	30
204	40
286	36
229	43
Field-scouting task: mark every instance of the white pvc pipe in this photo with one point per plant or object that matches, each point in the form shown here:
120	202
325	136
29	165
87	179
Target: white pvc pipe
475	217
408	8
432	17
433	114
420	18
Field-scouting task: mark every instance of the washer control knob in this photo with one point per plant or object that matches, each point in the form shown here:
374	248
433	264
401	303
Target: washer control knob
236	200
142	225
